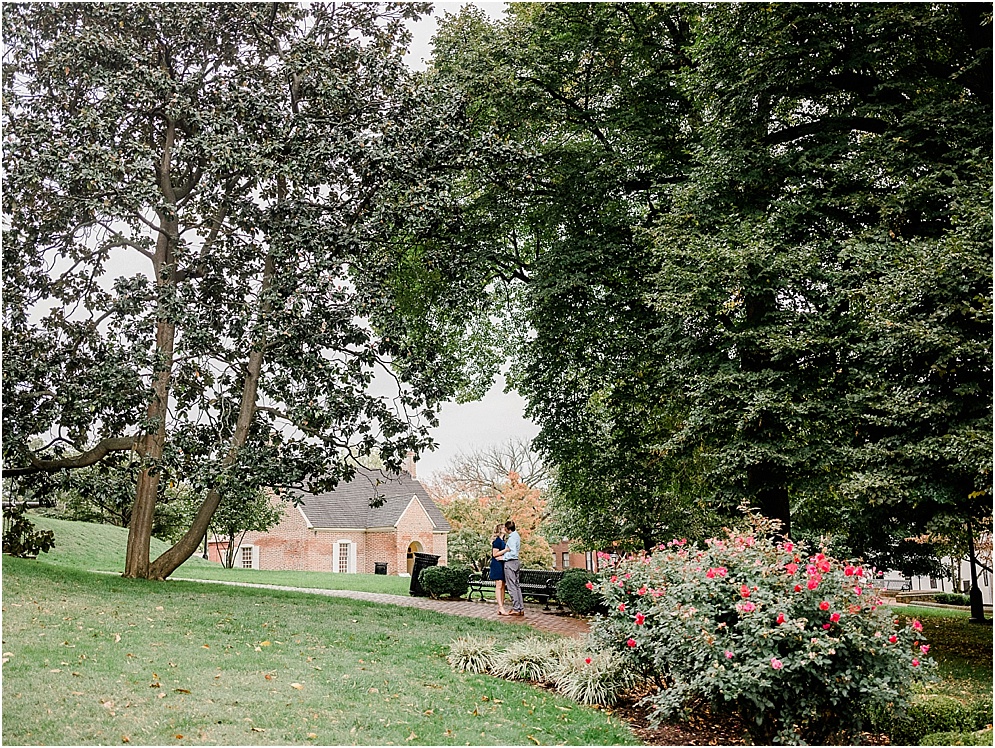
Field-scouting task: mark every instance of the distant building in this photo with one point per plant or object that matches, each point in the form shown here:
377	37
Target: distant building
341	533
564	558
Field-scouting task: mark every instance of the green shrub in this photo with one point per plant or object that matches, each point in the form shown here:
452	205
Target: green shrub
21	539
796	645
445	581
980	737
932	714
473	654
575	590
947	598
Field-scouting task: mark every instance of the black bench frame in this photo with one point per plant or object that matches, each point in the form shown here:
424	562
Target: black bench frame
538	584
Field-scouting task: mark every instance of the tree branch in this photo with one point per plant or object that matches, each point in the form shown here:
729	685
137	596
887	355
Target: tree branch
85	459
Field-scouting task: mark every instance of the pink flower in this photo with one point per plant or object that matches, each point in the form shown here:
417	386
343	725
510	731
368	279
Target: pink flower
893	639
835	617
924	649
824	566
640	619
857	591
621	607
631	643
789	547
915	662
824	605
849	571
916	625
613	579
590	585
744	591
854	609
813	583
791	568
798	588
747	607
641	590
776	663
710	573
780	618
587	660
826	625
728	655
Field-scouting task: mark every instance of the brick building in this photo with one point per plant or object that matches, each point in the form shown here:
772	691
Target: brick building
564	558
340	532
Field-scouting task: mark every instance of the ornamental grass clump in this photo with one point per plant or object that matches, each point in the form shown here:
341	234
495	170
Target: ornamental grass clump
473	654
594	678
531	659
798	645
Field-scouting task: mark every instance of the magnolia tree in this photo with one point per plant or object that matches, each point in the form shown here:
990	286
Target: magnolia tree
796	645
222	221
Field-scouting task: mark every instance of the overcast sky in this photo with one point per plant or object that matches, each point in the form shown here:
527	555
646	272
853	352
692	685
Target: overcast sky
499	417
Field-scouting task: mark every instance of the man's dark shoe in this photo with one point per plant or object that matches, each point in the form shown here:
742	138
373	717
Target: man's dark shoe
517	613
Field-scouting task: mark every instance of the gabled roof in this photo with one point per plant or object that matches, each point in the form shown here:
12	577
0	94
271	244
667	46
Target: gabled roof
348	506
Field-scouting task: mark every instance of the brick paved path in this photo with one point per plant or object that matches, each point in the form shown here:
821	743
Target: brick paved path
564	625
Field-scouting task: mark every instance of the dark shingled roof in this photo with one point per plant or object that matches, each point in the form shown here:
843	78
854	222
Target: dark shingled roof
348	506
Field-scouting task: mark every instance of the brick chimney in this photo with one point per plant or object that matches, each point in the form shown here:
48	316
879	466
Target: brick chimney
409	465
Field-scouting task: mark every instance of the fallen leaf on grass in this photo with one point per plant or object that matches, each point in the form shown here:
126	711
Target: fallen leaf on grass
264	644
373	690
257	729
428	712
205	646
312	735
412	736
178	737
267	676
125	739
298	686
117	638
533	739
181	690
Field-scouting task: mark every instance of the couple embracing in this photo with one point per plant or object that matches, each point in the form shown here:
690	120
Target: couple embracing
505	567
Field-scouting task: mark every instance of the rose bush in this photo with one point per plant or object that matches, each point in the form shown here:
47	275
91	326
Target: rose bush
798	645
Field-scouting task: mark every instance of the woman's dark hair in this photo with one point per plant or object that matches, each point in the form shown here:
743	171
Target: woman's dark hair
510	525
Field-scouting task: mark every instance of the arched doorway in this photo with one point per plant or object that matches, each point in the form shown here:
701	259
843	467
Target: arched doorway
414	548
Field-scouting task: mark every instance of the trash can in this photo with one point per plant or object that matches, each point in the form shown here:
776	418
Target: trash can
380	567
422	561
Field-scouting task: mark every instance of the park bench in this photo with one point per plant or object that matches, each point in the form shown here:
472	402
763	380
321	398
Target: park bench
895	585
537	584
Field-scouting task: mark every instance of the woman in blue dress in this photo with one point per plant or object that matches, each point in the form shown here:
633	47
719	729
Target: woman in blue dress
497	567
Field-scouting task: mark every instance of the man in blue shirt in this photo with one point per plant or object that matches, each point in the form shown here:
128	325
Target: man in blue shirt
511	569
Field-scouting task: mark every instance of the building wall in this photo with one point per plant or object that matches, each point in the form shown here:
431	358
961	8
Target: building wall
292	546
581	560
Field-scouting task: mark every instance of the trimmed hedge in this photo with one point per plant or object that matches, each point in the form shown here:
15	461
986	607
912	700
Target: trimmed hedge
572	591
930	715
981	737
445	581
948	598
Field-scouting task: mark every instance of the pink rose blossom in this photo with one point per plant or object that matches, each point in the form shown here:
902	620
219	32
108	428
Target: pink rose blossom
835	617
849	571
728	655
857	591
893	639
710	573
621	607
791	568
789	547
826	625
824	605
640	619
780	618
924	649
915	662
590	585
746	607
631	643
798	588
641	590
776	663
916	625
587	660
744	591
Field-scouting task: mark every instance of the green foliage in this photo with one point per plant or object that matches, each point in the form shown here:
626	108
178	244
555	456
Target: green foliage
796	645
253	511
980	737
445	581
948	598
573	591
469	546
595	677
21	539
932	713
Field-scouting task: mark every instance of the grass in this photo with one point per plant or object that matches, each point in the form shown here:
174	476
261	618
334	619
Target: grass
186	663
962	650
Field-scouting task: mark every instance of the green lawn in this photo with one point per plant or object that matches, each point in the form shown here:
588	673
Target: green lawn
95	659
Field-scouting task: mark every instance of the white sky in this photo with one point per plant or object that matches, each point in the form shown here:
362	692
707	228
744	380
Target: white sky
498	417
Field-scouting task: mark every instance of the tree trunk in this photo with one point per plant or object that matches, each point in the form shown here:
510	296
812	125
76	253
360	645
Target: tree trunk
186	546
136	563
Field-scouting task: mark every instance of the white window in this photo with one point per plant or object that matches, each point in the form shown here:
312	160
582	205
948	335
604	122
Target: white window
965	585
565	560
344	557
932	583
589	561
247	557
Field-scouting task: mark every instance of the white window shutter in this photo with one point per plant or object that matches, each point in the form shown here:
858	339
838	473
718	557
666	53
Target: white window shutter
352	558
335	558
255	557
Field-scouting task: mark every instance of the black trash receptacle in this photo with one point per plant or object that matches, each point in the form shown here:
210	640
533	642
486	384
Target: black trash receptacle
379	567
422	561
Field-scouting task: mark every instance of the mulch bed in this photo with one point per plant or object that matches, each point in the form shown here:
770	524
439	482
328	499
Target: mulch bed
704	729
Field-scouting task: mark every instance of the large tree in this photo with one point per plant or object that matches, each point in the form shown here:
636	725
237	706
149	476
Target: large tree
280	174
752	245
